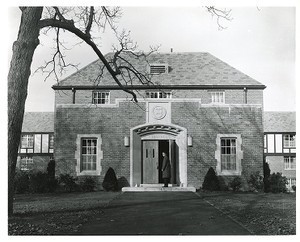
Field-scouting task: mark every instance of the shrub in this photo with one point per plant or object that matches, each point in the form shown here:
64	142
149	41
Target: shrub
236	184
51	169
88	184
267	173
294	188
52	184
110	182
211	181
68	182
38	182
278	183
21	182
34	182
256	182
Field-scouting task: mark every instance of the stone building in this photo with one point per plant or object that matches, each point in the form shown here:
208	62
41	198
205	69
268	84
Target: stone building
280	144
199	110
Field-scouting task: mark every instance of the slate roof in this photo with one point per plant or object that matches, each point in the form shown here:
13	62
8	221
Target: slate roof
187	68
279	121
38	122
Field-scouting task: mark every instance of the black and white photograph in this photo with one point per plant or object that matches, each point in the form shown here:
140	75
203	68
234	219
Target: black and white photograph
150	119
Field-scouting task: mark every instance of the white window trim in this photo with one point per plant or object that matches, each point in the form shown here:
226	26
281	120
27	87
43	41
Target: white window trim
28	161
289	180
214	92
158	92
239	155
97	98
287	143
98	170
290	163
27	141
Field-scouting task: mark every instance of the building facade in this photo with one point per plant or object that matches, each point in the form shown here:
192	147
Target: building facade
280	144
37	141
199	110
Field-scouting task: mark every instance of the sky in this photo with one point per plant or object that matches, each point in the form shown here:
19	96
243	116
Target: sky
259	41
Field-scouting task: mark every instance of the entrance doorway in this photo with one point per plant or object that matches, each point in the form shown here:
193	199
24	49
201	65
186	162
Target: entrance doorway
152	160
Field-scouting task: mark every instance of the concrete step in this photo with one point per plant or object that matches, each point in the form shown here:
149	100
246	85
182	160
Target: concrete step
158	189
156	185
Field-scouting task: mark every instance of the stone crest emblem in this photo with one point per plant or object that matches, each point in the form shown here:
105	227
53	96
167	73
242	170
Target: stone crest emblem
159	112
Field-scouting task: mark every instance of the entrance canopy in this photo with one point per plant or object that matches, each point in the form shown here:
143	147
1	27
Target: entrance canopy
158	132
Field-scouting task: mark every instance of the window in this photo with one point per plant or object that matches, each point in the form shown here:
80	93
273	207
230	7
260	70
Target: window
88	154
51	141
291	182
217	97
265	144
27	141
159	94
228	154
290	163
26	163
101	98
156	69
289	141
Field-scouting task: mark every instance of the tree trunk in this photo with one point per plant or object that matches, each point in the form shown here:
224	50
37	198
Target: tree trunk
18	76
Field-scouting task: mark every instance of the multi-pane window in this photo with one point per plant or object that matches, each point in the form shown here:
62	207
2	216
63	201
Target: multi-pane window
156	69
51	141
228	154
217	97
26	163
289	140
101	98
27	141
290	163
158	94
291	182
265	143
88	154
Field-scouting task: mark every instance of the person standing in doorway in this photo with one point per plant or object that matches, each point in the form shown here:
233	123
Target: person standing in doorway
166	169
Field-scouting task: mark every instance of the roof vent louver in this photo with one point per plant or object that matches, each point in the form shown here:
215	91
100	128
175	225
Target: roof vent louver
156	69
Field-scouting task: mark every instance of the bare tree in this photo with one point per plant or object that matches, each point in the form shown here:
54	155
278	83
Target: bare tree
18	75
80	21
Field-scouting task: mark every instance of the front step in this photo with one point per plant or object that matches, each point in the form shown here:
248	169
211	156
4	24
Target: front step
156	185
158	189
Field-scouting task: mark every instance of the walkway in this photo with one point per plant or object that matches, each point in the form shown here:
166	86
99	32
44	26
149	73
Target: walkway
161	213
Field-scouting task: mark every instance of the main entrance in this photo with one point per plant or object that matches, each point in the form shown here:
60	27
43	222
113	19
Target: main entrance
147	142
152	160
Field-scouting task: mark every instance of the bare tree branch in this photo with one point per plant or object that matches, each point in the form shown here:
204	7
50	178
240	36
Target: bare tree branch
220	14
120	68
90	21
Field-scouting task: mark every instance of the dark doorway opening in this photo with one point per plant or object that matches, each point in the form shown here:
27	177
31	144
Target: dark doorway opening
163	147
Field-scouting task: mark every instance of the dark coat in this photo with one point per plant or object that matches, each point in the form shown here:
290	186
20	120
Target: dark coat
166	167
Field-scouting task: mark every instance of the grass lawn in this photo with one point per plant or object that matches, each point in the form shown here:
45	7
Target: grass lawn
55	214
261	213
58	214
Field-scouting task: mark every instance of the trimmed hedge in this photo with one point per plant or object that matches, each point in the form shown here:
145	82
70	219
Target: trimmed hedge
211	181
110	182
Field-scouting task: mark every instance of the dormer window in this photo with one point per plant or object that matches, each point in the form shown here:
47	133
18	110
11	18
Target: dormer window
156	69
158	94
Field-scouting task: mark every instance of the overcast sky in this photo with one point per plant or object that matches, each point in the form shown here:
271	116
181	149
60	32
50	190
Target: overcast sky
259	42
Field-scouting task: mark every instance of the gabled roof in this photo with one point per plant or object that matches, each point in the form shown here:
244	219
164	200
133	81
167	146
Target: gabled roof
185	69
279	121
38	122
